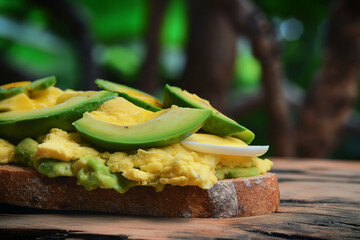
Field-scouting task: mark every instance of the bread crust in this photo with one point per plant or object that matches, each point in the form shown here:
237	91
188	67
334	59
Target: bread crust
239	197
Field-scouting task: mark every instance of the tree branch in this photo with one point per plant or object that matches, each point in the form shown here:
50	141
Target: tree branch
249	20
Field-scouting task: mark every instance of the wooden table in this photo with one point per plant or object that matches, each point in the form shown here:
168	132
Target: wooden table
319	200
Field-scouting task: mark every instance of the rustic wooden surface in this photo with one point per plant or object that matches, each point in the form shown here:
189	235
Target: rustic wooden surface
319	200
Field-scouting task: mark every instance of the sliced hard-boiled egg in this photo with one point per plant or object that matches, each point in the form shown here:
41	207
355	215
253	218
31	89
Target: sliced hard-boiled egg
208	143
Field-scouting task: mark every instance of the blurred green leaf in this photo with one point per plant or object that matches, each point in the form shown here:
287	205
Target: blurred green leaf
39	63
121	59
37	18
29	35
112	19
7	7
247	68
248	71
174	29
37	52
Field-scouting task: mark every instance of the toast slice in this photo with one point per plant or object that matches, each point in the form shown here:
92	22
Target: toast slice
239	197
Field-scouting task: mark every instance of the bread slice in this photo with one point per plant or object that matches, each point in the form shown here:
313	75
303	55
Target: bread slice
228	198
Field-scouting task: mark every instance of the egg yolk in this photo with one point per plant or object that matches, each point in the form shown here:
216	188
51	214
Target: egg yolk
7	152
15	84
143	97
60	145
40	99
122	112
216	140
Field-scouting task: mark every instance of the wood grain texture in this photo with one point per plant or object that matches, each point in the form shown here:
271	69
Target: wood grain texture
319	200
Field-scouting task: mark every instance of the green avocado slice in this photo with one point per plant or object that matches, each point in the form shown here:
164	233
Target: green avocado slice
217	124
139	103
37	85
32	123
41	84
10	92
171	126
125	92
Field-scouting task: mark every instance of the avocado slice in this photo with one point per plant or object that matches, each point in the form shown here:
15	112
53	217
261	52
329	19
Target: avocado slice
217	124
11	89
170	126
137	97
41	84
37	85
10	92
32	123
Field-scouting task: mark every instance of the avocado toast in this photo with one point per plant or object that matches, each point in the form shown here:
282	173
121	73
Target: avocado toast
111	155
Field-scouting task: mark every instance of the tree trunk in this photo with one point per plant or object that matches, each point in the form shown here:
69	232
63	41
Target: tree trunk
334	92
149	76
210	53
249	20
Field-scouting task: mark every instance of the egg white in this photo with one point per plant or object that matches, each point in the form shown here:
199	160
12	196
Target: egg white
225	150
